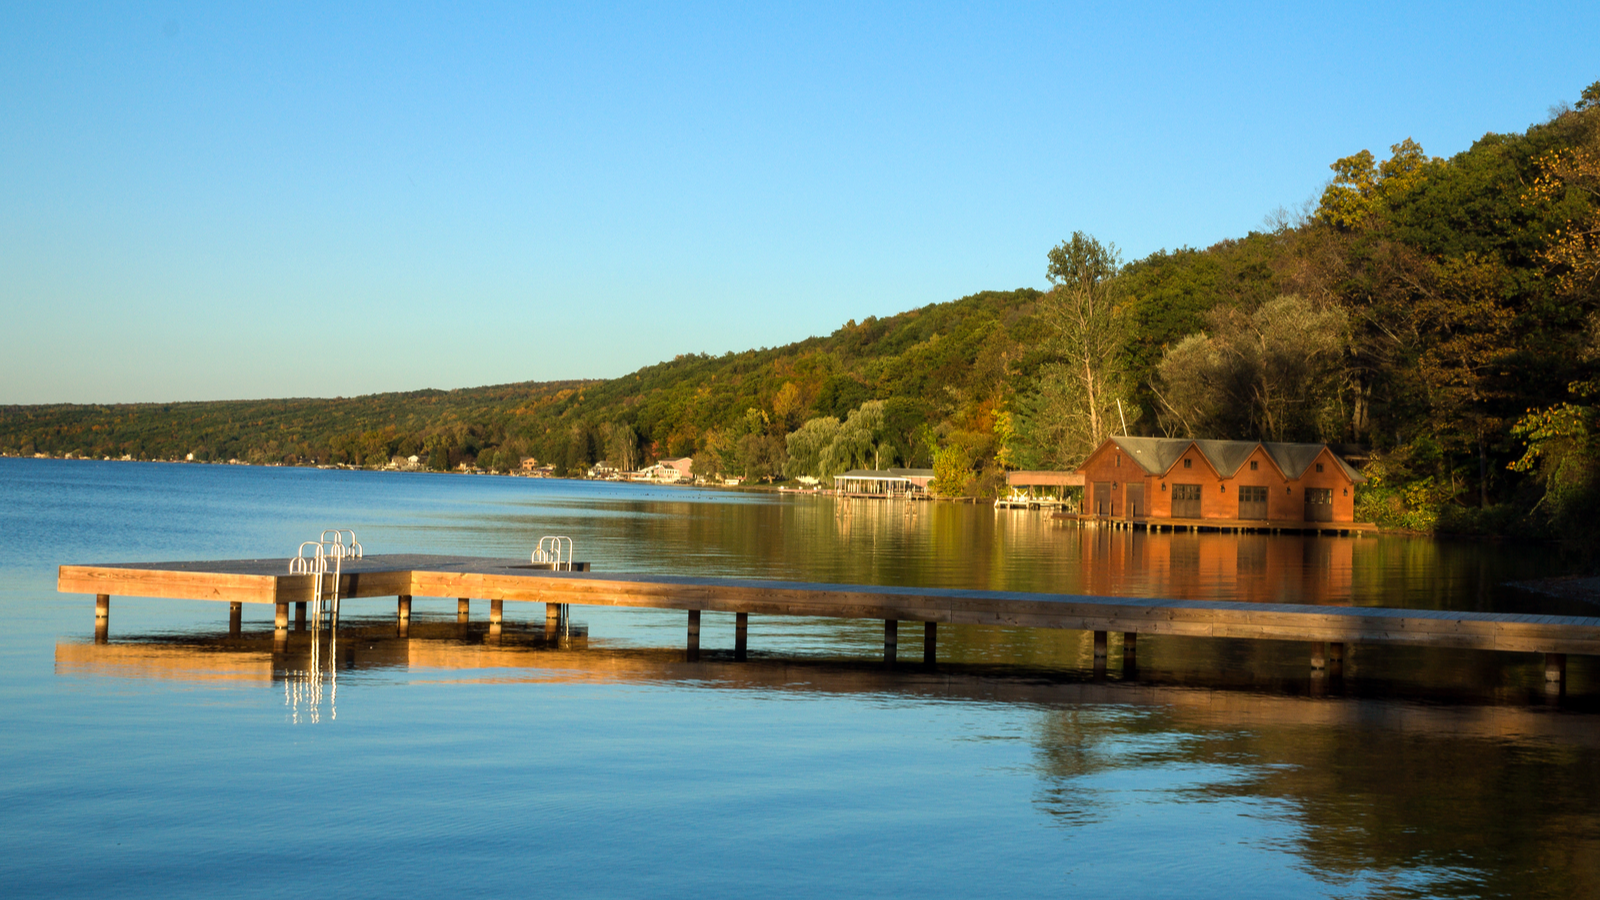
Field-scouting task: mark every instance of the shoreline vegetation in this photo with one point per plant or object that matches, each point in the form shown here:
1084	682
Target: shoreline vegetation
1437	320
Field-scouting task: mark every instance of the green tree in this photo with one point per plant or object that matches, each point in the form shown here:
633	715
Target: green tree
806	446
1275	374
1078	390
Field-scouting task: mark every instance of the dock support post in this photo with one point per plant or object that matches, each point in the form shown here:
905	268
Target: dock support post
102	618
403	608
300	616
235	617
552	619
741	634
1555	669
694	635
1130	649
280	616
1099	645
463	608
496	611
1336	652
1319	655
930	643
891	640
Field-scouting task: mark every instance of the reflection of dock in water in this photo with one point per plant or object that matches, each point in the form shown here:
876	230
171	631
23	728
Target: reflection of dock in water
1328	629
450	653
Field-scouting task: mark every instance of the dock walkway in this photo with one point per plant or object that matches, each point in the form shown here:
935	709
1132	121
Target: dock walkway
1328	628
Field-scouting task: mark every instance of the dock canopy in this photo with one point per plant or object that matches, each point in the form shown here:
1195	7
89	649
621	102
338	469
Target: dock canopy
1044	478
883	482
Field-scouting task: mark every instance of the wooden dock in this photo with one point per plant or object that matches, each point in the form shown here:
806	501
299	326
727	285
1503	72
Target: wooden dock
1327	628
1237	526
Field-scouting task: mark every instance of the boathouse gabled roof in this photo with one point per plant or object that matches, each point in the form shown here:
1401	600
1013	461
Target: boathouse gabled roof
1158	455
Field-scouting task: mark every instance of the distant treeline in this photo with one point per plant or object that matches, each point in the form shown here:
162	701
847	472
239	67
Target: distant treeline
1443	313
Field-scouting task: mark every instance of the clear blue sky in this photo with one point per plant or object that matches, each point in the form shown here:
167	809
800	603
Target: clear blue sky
336	199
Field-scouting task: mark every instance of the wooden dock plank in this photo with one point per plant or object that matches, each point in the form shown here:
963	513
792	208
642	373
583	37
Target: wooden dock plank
268	581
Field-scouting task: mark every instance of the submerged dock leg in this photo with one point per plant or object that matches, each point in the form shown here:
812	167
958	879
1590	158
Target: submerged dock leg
694	635
1319	656
280	626
930	643
403	608
1099	645
741	634
102	618
496	611
300	616
463	608
891	640
235	617
1130	650
1555	670
552	619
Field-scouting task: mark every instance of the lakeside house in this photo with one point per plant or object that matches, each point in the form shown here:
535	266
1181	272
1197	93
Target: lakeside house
672	471
1233	483
883	482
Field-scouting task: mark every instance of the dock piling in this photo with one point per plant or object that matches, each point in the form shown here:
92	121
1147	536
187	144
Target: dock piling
496	611
891	640
1100	645
102	618
694	635
463	609
930	643
403	607
1555	668
552	619
1319	656
235	618
741	634
300	616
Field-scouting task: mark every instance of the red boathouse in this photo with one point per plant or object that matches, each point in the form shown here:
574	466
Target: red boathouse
1233	484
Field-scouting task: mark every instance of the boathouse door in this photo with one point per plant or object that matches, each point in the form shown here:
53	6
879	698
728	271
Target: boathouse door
1186	501
1102	498
1133	501
1252	502
1319	504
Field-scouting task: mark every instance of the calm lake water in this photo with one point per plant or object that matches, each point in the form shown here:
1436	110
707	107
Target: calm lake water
180	760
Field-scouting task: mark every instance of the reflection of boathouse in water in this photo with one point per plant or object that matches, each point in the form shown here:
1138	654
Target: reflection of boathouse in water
1228	484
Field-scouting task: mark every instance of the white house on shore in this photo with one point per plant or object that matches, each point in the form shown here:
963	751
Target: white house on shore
671	471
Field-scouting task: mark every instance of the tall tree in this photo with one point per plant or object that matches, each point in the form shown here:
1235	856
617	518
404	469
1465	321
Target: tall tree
1274	374
1076	406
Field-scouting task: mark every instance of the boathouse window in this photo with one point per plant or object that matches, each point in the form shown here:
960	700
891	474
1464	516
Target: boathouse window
1188	464
1254	465
1319	467
1117	461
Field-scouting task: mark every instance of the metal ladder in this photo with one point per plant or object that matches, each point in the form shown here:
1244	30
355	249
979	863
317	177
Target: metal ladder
322	559
556	550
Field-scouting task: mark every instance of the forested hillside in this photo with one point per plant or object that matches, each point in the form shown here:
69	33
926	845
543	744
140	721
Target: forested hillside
1442	313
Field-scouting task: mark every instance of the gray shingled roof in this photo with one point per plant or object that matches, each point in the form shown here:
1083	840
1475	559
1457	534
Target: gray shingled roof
1157	455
